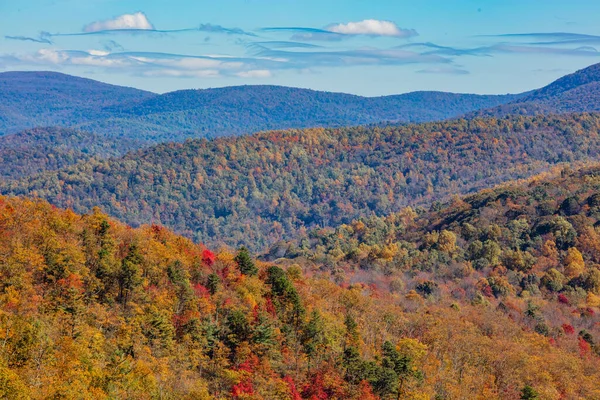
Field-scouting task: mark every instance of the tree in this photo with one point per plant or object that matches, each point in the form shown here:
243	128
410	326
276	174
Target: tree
574	264
129	275
245	262
212	283
313	336
529	393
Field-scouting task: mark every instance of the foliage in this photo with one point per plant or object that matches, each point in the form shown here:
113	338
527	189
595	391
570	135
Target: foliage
39	150
259	189
90	308
39	99
577	92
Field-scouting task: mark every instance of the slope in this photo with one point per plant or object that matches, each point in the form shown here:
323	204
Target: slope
258	189
577	92
39	150
34	99
90	308
247	109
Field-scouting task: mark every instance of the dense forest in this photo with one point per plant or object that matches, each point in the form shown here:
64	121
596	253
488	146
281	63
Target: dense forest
90	308
530	249
259	189
577	92
40	150
246	109
40	99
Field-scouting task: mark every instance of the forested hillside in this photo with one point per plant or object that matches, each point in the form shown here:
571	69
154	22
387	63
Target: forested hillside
248	109
577	92
40	150
40	99
259	189
90	308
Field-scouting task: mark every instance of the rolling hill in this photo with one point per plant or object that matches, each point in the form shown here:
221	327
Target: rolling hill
577	92
40	99
39	150
246	109
256	190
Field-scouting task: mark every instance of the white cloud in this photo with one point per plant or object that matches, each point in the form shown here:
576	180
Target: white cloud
372	27
125	21
99	53
257	73
50	56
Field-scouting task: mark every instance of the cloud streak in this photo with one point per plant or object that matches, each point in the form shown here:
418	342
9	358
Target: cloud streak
40	39
308	34
444	71
366	56
505	48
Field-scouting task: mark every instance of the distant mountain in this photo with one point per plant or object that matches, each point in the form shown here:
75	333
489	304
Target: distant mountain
34	99
256	190
577	92
246	109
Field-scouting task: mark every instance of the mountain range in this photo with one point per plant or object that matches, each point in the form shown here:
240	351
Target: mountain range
50	120
40	99
44	99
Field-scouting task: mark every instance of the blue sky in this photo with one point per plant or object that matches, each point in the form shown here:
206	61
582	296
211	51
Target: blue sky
374	47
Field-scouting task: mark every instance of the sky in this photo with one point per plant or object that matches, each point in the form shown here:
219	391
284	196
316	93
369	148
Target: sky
365	47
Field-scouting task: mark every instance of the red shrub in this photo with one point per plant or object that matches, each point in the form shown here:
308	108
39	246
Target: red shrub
208	257
201	291
584	347
563	299
295	395
568	329
242	388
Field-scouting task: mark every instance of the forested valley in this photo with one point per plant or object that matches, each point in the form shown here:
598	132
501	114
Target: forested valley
427	246
255	190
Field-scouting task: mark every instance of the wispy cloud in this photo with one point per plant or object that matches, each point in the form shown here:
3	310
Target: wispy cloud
133	24
284	45
308	34
444	71
136	31
432	48
40	39
257	73
506	48
152	63
551	38
364	56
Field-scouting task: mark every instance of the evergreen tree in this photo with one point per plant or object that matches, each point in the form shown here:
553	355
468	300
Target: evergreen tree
245	263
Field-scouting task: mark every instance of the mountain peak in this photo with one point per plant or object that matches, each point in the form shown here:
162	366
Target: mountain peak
572	81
